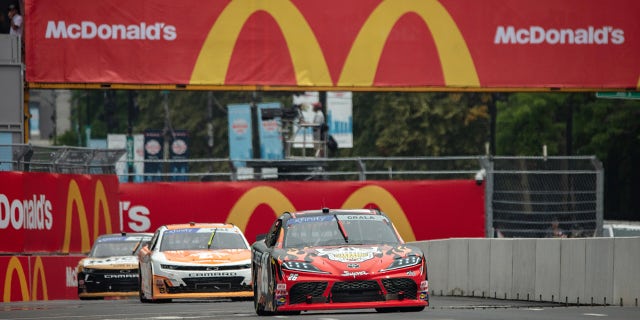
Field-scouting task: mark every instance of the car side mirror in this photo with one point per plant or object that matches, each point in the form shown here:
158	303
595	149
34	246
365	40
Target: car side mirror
144	244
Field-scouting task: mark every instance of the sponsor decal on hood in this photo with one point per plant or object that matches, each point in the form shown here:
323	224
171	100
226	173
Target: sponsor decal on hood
123	262
208	256
348	254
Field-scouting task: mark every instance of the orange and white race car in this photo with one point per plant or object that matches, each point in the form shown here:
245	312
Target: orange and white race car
195	260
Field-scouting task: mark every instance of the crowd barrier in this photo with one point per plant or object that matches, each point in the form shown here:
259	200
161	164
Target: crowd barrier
598	271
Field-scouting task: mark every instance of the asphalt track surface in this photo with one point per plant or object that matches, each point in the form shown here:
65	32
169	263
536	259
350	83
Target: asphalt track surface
442	308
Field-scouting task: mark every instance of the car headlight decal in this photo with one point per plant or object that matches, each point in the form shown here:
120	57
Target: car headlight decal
301	266
169	267
404	262
87	270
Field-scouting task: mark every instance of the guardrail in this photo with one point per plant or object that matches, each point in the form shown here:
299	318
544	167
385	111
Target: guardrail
601	271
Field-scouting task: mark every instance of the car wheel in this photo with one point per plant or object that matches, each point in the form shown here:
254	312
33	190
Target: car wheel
386	310
257	305
241	299
91	298
143	299
411	309
152	299
272	297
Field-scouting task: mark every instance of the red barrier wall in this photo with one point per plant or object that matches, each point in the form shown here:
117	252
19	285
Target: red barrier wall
27	278
422	210
55	213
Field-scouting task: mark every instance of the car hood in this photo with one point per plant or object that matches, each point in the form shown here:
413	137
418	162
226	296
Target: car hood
337	259
118	262
208	256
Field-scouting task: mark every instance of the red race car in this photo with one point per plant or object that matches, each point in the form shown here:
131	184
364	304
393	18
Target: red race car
336	259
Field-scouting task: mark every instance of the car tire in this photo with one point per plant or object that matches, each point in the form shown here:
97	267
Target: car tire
143	299
411	309
272	297
91	298
257	305
152	299
387	310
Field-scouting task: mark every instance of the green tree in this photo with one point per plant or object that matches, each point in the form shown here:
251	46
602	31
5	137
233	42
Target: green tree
610	129
527	121
419	124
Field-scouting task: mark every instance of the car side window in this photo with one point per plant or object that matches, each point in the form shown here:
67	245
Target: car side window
272	236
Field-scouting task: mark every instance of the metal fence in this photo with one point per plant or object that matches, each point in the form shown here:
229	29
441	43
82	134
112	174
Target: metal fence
58	159
523	195
544	196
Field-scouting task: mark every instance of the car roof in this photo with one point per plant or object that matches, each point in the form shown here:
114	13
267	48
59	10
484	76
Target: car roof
126	234
194	225
328	211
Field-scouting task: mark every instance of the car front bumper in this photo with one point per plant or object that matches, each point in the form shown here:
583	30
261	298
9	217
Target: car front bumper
308	291
175	284
108	283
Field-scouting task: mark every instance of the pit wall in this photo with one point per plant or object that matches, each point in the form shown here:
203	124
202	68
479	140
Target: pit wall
602	271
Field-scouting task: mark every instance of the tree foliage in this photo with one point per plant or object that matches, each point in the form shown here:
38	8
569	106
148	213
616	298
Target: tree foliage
402	124
419	124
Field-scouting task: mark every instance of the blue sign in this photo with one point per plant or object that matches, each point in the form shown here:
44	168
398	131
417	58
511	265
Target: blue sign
240	134
270	133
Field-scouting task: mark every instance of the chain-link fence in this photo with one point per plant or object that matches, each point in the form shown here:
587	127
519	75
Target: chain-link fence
58	159
544	196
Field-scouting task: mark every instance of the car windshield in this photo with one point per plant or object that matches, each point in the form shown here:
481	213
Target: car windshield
201	239
326	231
116	246
626	231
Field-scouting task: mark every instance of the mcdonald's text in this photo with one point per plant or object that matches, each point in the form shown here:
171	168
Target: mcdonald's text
33	213
87	30
539	35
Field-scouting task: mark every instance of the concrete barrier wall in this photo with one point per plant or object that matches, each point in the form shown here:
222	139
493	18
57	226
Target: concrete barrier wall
575	271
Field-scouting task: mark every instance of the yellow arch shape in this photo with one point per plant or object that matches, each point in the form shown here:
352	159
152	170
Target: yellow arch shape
100	201
387	203
74	197
308	60
250	200
38	269
362	62
15	266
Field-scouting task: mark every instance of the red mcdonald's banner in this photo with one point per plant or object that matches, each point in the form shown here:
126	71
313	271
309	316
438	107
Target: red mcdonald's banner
29	278
55	213
359	44
421	210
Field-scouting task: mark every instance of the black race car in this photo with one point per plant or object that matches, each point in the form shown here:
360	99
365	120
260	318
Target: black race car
111	268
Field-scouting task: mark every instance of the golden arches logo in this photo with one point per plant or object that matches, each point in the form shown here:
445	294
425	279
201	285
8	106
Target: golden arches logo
362	62
308	61
14	266
74	198
307	57
250	200
387	203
